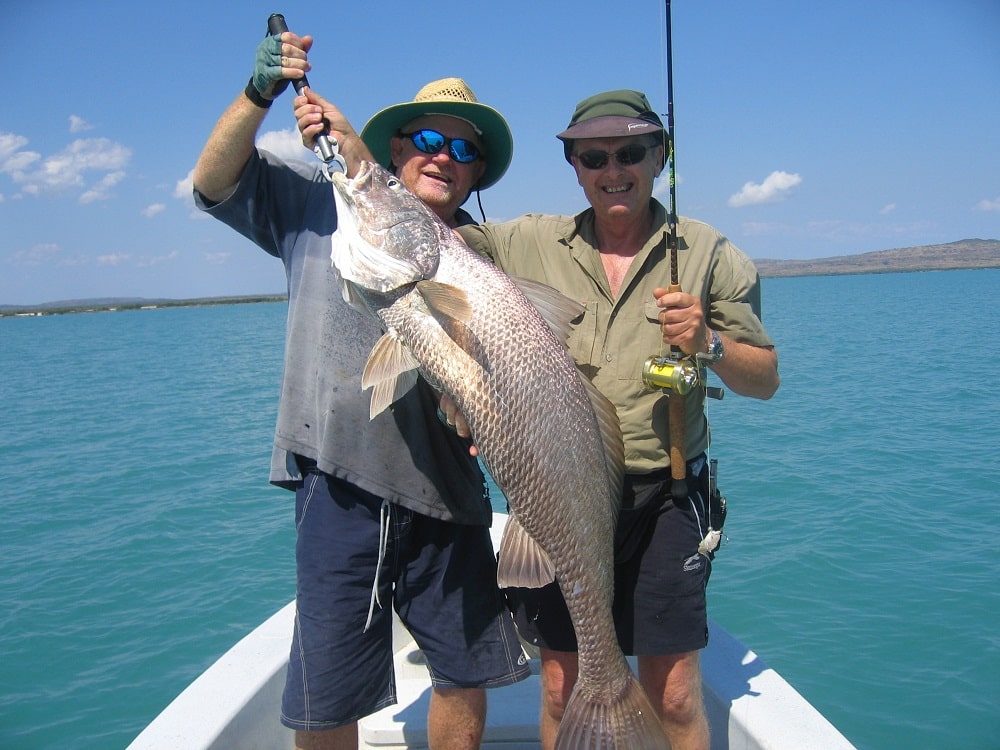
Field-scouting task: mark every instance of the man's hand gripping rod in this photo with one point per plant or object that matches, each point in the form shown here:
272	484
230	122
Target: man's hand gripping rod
326	147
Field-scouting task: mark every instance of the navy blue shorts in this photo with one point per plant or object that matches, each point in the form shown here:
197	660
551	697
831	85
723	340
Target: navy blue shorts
439	576
660	577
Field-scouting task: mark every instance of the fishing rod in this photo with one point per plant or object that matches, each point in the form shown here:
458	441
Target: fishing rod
676	374
326	147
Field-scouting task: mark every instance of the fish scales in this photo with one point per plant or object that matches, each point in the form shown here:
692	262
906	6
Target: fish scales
550	441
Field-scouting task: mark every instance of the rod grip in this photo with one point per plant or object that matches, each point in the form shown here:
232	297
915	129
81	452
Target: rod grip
678	463
276	25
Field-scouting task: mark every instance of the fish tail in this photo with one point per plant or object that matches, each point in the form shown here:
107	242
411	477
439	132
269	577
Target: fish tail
629	723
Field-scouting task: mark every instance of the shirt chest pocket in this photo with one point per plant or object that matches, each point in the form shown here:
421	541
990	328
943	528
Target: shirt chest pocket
584	341
635	338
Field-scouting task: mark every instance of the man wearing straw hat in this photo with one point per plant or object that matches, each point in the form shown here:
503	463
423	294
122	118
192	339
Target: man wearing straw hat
392	512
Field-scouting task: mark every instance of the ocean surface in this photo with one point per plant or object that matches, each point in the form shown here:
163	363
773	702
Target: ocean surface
140	538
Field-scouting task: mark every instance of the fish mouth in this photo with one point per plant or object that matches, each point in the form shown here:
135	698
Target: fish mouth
347	186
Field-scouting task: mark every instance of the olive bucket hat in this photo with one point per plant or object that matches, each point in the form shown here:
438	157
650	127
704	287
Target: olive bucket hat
612	114
454	98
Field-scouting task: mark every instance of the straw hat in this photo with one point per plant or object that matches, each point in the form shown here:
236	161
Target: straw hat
452	97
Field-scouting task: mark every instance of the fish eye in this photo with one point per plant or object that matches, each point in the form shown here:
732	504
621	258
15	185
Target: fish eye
392	183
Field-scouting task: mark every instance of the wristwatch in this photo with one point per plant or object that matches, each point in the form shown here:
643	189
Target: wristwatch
716	350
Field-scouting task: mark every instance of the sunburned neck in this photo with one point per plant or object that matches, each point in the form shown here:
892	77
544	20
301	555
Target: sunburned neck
623	238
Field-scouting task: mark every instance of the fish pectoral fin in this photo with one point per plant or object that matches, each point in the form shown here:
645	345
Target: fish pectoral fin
446	300
391	371
522	562
450	307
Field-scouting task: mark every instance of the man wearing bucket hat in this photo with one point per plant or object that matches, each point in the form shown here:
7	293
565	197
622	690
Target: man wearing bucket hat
391	513
613	259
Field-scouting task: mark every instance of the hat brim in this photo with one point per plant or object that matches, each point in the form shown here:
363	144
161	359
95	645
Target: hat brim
496	135
609	126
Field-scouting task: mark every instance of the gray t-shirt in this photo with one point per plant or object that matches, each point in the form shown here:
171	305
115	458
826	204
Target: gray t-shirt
405	455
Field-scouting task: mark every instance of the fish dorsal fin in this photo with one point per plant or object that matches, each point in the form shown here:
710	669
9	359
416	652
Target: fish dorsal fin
446	300
522	562
558	310
611	436
391	371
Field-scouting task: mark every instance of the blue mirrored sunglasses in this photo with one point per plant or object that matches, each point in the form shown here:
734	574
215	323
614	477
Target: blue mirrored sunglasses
432	142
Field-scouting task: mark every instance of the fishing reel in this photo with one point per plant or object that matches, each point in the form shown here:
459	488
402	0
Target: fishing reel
678	375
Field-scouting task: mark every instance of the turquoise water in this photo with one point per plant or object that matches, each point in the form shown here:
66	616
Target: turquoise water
140	538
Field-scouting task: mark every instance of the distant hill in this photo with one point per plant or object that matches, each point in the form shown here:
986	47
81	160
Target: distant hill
951	256
114	304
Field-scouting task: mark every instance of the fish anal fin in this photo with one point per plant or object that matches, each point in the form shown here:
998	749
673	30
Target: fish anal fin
445	300
522	562
386	392
628	721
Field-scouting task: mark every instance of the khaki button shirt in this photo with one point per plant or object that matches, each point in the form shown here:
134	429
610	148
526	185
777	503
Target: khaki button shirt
615	337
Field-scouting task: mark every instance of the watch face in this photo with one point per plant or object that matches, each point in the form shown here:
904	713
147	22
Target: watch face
716	348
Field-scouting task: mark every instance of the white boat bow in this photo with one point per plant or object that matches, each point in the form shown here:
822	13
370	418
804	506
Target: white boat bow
235	703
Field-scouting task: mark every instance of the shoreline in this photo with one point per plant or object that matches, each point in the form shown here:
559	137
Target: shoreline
131	304
963	255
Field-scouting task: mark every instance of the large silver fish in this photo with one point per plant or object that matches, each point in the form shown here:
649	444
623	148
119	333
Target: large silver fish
551	442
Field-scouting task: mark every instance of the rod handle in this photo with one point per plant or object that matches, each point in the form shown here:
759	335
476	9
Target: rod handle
276	25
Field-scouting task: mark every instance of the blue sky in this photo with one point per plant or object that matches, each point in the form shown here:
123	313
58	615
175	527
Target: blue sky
803	129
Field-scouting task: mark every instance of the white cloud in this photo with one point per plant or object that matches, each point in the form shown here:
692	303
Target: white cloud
153	209
763	229
157	259
112	260
888	208
774	188
78	124
67	169
18	162
661	188
37	254
985	205
217	259
183	188
286	144
12	159
9	143
99	190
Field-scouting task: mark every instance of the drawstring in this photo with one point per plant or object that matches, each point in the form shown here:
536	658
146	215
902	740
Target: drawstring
383	543
479	200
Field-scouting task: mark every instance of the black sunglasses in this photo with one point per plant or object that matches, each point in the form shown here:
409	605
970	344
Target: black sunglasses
432	142
626	155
